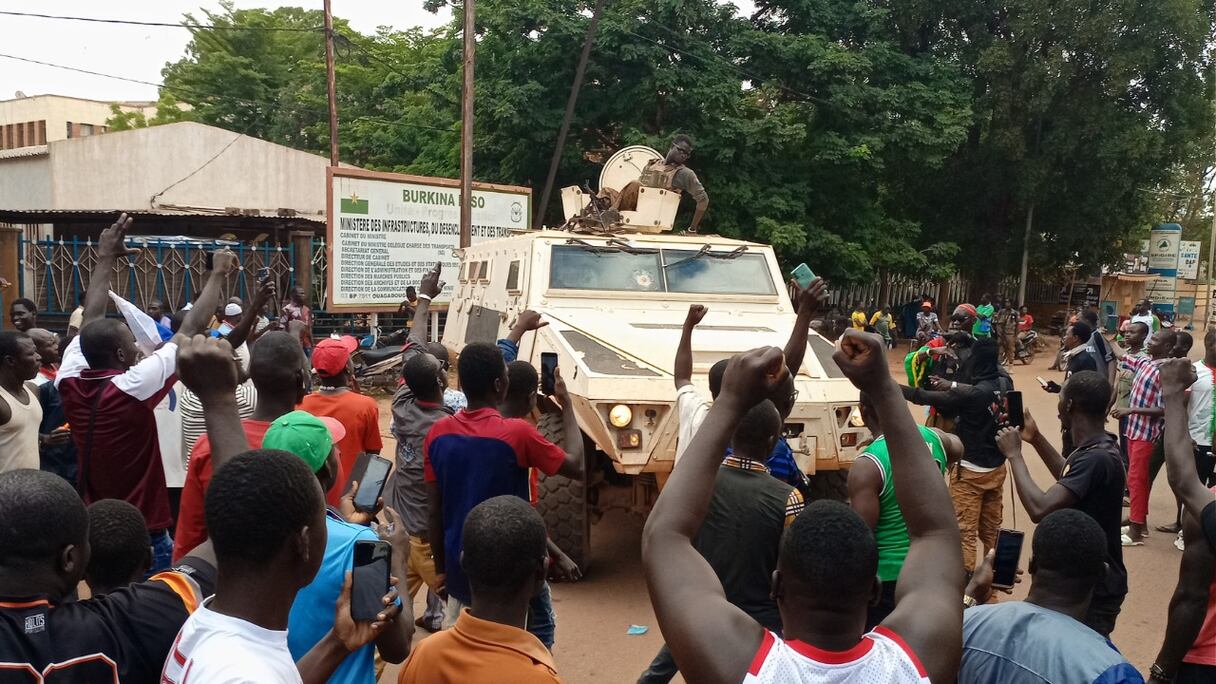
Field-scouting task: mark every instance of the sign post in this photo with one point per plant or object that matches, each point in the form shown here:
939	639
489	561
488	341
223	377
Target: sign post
1163	262
386	230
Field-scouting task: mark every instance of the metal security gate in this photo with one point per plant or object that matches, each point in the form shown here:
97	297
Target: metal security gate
169	269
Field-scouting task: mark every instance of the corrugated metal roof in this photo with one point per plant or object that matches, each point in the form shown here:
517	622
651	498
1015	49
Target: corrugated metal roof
21	152
110	213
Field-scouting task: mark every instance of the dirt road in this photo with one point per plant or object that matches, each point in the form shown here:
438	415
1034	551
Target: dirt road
594	614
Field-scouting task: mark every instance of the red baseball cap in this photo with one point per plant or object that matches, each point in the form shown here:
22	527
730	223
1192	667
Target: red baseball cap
330	355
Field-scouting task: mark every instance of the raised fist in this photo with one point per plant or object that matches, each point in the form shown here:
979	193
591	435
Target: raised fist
862	358
696	313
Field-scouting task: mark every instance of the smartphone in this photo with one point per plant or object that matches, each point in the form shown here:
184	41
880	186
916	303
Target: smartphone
209	261
1013	409
1008	554
548	368
803	275
1042	382
371	483
369	579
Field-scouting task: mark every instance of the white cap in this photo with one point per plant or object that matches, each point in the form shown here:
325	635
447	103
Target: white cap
233	310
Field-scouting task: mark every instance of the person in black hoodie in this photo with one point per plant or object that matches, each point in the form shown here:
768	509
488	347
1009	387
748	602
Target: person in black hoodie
975	397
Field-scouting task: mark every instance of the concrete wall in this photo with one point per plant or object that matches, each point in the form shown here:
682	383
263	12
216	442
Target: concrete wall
57	111
25	183
191	164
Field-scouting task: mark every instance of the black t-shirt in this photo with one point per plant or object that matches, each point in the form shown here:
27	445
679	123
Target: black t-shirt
1094	474
123	637
1080	362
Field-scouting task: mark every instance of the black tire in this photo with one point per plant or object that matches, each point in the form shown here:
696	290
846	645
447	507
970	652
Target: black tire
829	484
563	503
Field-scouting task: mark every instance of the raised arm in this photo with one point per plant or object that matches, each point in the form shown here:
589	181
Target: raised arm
808	304
206	367
110	246
428	289
266	290
1188	607
1176	376
713	640
223	263
572	435
1036	502
682	373
928	612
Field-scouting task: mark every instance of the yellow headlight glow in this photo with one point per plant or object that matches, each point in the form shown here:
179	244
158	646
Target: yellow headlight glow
620	416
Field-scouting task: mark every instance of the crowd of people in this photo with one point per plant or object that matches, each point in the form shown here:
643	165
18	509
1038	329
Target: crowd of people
218	545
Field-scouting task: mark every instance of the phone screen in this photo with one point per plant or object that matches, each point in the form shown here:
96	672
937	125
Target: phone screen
369	579
1008	554
803	275
371	484
1013	409
1042	382
548	366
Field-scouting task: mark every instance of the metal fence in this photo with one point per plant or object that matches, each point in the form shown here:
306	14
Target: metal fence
171	270
904	289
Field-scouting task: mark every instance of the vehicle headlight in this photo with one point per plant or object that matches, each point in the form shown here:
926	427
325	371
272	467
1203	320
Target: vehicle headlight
620	416
855	419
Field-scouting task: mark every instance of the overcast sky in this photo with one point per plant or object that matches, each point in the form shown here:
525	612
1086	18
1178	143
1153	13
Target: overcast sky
139	52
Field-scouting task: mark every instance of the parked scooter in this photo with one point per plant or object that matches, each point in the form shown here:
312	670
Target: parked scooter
1027	344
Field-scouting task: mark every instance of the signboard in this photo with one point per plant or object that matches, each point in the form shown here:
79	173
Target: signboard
1188	259
1083	294
386	230
1163	262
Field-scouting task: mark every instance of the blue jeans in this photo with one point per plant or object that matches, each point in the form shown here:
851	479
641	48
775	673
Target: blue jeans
162	552
541	623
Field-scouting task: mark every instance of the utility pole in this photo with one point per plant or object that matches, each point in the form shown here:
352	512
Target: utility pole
1025	256
331	84
1207	278
466	125
539	219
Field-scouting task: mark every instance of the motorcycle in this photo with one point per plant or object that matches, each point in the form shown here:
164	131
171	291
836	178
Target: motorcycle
1025	346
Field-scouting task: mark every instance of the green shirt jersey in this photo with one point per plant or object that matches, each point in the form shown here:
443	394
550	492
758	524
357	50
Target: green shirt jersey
891	533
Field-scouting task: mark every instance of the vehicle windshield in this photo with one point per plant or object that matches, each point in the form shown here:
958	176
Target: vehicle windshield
577	267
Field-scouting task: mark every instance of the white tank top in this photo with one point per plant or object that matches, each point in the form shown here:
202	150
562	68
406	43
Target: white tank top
881	657
19	436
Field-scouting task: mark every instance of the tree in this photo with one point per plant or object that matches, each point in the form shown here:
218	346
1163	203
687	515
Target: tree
896	136
168	110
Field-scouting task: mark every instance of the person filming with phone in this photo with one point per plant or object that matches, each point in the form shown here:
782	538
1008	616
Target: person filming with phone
1090	480
1043	638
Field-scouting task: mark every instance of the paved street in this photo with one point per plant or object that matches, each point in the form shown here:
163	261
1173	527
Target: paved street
594	614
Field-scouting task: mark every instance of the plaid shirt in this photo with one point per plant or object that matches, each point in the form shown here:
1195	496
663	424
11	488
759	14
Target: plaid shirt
1146	393
793	505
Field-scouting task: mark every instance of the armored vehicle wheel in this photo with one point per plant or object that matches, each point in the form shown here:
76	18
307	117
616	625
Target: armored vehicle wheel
830	484
563	503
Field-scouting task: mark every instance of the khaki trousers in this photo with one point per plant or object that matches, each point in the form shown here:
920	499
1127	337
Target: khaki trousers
977	503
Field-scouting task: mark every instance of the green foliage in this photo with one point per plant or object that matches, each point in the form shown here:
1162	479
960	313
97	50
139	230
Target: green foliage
897	136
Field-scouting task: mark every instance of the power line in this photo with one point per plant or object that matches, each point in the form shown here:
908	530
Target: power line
191	94
160	24
79	70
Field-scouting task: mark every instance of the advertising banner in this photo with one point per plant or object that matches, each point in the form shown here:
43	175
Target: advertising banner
386	230
1163	262
1188	259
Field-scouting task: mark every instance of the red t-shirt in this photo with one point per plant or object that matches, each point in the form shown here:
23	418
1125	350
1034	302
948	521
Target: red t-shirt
122	460
191	522
360	416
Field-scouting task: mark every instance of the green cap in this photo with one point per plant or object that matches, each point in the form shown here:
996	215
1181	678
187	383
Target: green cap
310	437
